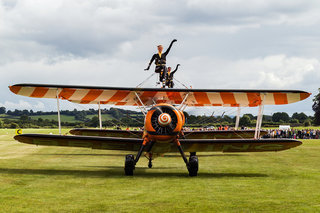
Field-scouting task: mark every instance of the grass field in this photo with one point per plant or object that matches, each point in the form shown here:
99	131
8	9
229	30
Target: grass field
56	179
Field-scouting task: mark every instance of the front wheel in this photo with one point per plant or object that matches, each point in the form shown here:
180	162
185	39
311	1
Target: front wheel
129	165
193	166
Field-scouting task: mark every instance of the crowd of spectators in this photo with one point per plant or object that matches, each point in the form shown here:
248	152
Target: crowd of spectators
271	133
293	133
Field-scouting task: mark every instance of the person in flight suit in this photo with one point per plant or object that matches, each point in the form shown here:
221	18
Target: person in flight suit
160	61
169	77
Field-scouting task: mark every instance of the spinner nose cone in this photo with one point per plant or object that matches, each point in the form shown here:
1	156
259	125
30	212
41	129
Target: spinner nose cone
164	119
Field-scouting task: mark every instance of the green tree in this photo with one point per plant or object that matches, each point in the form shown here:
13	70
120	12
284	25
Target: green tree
294	121
280	116
245	120
250	116
94	122
316	108
227	119
307	123
80	115
13	125
300	116
2	110
115	113
24	118
267	118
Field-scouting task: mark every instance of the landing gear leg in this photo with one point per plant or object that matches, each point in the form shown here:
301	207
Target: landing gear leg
130	162
192	165
149	157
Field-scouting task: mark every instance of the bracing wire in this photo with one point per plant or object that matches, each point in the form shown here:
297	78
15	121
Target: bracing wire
180	83
143	82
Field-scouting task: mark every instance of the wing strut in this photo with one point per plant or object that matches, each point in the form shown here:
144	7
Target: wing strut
143	106
183	102
58	107
237	118
100	119
259	119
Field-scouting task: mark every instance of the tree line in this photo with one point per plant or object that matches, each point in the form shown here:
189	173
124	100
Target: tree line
122	117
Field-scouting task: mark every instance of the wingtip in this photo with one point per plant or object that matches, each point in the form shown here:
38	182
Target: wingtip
305	95
15	89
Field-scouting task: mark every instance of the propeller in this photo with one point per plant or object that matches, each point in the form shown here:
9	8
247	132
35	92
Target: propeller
164	120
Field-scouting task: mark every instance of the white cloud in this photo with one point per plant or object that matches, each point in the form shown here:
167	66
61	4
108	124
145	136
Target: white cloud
21	105
221	43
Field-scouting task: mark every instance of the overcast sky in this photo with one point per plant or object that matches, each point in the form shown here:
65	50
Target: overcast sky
239	44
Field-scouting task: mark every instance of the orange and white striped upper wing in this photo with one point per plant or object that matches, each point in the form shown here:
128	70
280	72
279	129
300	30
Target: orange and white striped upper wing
149	96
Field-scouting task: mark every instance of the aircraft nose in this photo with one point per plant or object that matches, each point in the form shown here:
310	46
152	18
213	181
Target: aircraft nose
164	119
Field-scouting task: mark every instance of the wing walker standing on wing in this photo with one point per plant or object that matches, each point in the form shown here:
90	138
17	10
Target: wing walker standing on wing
170	76
160	60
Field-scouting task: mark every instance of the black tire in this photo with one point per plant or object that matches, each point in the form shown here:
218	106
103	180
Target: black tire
129	165
192	154
193	166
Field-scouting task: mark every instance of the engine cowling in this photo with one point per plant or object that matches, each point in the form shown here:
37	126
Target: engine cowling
163	122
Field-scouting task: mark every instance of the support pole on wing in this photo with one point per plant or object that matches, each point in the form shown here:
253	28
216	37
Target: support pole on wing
145	109
182	106
237	118
259	119
100	119
58	107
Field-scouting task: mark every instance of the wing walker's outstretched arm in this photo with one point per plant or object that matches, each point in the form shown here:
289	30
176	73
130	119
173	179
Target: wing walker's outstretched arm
169	48
152	59
175	69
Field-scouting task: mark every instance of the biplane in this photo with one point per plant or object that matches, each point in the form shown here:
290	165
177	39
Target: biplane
164	121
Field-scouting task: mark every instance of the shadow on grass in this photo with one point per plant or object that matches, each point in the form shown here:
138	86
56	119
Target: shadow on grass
118	172
122	155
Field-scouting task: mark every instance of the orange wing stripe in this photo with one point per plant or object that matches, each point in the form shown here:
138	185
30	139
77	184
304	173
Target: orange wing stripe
175	96
280	98
15	89
201	98
147	95
254	99
66	93
84	102
39	92
228	98
120	95
92	95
